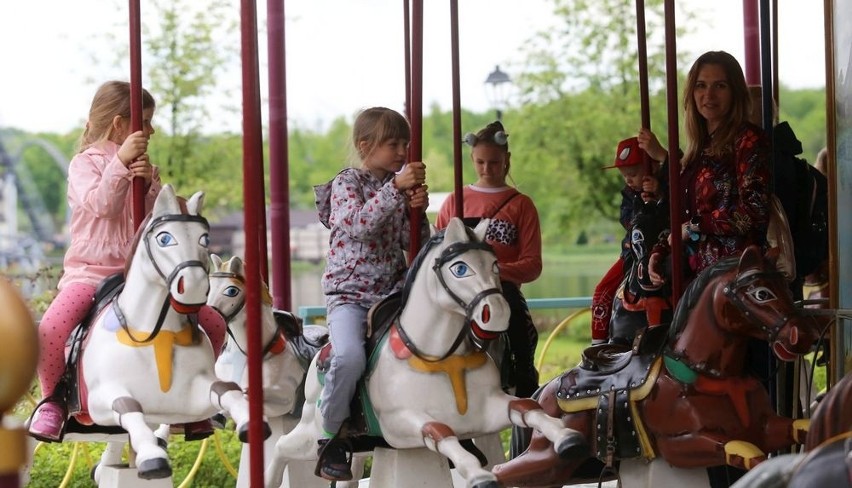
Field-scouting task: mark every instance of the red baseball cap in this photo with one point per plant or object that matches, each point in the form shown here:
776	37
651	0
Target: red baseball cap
628	154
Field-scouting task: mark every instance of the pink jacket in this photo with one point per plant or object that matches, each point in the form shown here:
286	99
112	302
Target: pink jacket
101	228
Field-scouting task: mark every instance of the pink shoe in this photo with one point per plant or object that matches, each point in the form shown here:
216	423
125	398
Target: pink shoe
47	423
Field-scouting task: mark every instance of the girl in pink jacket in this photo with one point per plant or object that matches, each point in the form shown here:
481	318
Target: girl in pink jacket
102	230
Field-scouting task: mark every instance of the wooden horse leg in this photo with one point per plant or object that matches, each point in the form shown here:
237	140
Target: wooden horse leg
567	442
696	450
151	459
227	395
440	438
783	432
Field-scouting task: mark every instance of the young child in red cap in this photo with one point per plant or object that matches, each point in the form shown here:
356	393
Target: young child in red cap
640	185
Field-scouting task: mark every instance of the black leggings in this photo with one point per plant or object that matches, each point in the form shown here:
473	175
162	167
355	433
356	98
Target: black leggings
523	338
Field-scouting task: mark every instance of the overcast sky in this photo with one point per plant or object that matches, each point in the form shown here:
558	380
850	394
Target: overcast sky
339	63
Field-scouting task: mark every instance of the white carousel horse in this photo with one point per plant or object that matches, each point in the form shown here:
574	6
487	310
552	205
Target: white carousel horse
287	351
428	381
145	361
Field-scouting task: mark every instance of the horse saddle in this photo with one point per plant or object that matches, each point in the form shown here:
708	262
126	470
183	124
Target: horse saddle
74	392
603	382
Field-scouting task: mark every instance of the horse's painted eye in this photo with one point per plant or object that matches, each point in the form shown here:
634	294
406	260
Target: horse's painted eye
761	294
164	239
204	240
460	269
231	291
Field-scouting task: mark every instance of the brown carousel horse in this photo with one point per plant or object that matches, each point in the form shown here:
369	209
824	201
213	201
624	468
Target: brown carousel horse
683	392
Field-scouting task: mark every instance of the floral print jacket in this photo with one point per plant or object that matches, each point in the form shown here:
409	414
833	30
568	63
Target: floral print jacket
369	226
730	195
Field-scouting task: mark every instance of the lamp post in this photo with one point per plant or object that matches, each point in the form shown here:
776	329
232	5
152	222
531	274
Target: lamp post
497	90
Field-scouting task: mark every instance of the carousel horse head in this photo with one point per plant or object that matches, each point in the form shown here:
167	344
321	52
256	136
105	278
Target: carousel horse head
458	271
752	300
171	248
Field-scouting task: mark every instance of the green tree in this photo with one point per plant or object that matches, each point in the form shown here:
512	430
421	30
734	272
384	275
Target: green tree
579	91
189	48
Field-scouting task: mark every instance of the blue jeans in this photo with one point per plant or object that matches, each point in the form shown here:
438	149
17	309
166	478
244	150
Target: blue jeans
347	329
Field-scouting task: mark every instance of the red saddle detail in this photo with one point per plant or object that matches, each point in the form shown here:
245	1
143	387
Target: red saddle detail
400	350
279	344
735	388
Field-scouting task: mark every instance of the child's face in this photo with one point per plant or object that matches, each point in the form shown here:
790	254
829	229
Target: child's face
633	176
387	157
490	162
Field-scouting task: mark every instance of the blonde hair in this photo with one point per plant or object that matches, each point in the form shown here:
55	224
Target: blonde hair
375	126
111	99
695	124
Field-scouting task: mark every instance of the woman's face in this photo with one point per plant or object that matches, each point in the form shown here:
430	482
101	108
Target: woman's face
490	162
712	95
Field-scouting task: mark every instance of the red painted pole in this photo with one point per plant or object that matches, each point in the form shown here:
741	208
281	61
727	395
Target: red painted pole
406	25
415	150
279	178
138	185
642	55
672	101
751	39
254	228
458	170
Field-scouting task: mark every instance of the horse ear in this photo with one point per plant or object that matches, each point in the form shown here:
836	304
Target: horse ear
751	258
480	229
166	202
455	231
772	254
195	202
236	266
216	260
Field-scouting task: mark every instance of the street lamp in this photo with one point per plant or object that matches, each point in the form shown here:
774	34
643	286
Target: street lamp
497	90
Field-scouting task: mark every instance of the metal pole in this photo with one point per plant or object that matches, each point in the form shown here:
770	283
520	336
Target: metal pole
642	54
279	178
674	143
751	34
415	151
254	228
138	185
458	172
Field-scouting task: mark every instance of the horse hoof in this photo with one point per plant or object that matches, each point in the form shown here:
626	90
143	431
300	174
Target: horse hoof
572	446
242	432
154	469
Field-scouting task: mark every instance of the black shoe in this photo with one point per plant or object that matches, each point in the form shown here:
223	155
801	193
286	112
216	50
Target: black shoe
335	460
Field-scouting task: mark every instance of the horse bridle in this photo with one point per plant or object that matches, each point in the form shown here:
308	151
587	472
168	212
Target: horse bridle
451	252
733	291
193	318
240	306
228	317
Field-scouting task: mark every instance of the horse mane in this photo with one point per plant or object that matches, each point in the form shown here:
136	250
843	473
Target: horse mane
693	292
141	229
417	262
136	238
